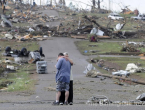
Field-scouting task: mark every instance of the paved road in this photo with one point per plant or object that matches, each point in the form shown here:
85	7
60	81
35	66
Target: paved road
84	87
73	107
51	48
42	98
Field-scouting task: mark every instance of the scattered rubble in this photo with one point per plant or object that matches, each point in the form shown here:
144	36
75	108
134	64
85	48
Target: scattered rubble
24	56
103	100
132	68
121	73
116	73
90	67
100	99
141	97
96	74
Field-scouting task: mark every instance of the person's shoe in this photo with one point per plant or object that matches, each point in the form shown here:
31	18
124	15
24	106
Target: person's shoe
70	103
61	103
65	103
55	103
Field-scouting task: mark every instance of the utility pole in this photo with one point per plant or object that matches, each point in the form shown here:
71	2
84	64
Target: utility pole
40	2
109	4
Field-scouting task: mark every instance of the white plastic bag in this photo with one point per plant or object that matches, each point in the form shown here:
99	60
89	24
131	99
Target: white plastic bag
89	68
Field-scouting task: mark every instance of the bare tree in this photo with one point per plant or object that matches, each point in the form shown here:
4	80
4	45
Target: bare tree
55	2
63	2
60	1
94	3
98	2
51	2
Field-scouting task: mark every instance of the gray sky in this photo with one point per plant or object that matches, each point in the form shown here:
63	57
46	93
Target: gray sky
116	5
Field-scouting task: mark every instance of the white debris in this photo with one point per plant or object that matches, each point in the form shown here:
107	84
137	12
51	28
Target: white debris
141	97
9	36
37	96
121	73
11	67
45	36
119	26
89	68
79	24
93	31
140	44
132	68
20	59
33	13
31	30
2	23
97	32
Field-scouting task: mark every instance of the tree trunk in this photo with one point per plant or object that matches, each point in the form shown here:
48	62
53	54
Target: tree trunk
60	1
98	4
51	2
94	4
63	2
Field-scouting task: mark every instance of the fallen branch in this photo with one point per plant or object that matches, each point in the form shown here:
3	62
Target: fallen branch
94	74
104	29
118	77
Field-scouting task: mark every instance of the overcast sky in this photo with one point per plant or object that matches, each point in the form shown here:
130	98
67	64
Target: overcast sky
116	5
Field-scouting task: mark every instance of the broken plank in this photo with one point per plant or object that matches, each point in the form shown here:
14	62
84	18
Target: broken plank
118	77
79	37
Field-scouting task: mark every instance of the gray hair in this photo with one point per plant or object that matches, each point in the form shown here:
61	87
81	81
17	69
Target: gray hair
65	53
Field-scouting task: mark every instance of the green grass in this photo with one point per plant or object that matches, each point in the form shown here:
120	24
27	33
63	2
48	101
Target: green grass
142	75
122	62
101	48
21	80
30	45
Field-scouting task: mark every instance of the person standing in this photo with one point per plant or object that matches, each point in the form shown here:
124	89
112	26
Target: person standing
70	98
62	78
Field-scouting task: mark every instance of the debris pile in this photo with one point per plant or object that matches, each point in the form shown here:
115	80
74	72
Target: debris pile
132	46
24	56
114	71
25	16
25	24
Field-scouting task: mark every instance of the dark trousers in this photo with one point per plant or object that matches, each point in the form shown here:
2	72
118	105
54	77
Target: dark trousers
70	98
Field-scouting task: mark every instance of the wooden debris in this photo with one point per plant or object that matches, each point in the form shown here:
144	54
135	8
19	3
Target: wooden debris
79	37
